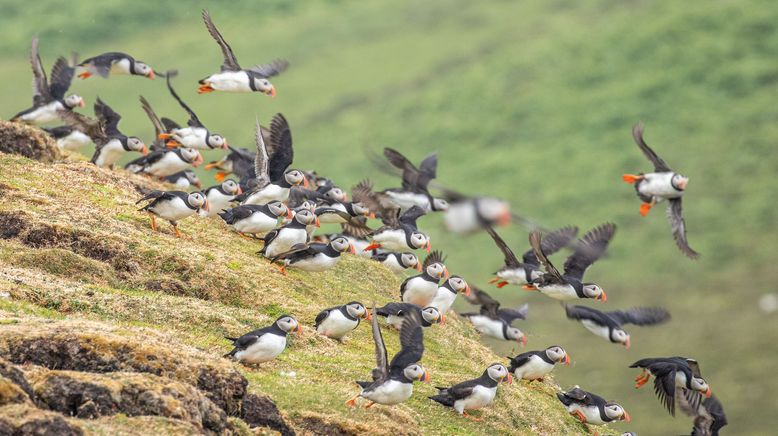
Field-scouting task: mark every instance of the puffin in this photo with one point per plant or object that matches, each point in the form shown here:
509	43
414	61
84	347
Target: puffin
172	206
254	218
590	408
220	196
49	100
239	161
400	233
496	322
474	394
673	375
358	233
184	179
264	344
415	182
159	125
662	184
535	365
469	214
570	285
233	78
517	272
397	262
339	213
68	138
338	321
608	325
709	416
195	134
314	257
395	312
163	163
281	240
273	180
104	131
421	289
116	63
393	381
448	291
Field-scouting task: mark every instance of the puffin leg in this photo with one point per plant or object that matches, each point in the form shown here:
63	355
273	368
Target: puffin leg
468	416
370	404
494	280
178	232
639	384
641	375
501	284
153	222
579	415
243	235
529	287
282	269
646	207
352	402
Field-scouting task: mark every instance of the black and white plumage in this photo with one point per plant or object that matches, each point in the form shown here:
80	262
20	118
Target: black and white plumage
393	381
233	78
673	376
468	214
476	393
184	179
415	182
341	212
68	138
608	325
221	196
104	132
570	285
535	365
662	184
48	98
239	161
399	233
281	240
709	416
315	257
496	322
447	293
115	63
163	163
521	272
590	408
173	206
264	344
338	321
255	218
397	262
421	289
395	312
195	134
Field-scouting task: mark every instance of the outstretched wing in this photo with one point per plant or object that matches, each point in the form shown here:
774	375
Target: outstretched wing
414	179
61	76
659	165
678	225
271	69
193	120
664	387
381	371
641	315
510	259
158	126
261	161
356	228
589	249
535	241
282	153
551	243
411	341
108	118
411	215
40	86
89	126
230	63
510	315
435	257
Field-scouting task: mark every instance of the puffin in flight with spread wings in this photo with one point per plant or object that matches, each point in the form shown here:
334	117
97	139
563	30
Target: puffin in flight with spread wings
608	325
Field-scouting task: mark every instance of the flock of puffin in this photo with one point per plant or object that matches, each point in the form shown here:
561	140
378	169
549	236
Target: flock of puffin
283	208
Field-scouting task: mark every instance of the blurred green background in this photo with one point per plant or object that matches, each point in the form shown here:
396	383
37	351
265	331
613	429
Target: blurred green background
531	101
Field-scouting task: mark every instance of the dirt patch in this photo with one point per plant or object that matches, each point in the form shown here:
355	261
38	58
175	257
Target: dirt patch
318	426
5	188
28	141
168	286
12	224
15	375
262	412
25	419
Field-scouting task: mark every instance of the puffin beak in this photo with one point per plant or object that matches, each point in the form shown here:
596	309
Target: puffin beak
220	176
418	267
239	191
272	91
627	344
81	103
708	393
289	214
508	379
504	219
305	182
626	417
523	341
446	274
468	291
198	161
682	183
371	215
426	377
298	329
145	150
151	75
369	316
442	319
353	250
602	297
429	246
209	165
225	145
566	360
318	223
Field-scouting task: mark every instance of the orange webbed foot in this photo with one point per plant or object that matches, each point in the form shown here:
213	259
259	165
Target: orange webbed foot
645	208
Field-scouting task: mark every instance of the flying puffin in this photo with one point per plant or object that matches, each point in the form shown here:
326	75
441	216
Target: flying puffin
264	344
400	233
476	393
395	312
393	381
172	206
468	214
220	196
590	408
448	291
415	182
358	233
671	373
662	184
495	322
570	285
535	365
233	78
184	179
281	240
68	138
254	218
195	134
314	257
339	213
238	161
607	325
163	163
104	131
421	289
337	321
398	262
48	100
517	272
709	415
114	63
273	180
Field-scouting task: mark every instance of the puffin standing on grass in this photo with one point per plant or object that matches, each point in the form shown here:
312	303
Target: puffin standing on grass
395	312
570	285
397	262
281	240
233	78
48	100
476	393
535	365
221	196
662	184
400	233
590	408
254	218
673	374
195	134
315	257
421	289
393	381
337	321
607	325
264	344
448	291
173	206
115	63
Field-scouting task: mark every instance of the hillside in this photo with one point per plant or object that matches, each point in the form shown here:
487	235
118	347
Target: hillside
82	269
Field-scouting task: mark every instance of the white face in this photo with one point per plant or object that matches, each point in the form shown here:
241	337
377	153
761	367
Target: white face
699	385
556	353
190	155
439	204
359	209
431	314
308	204
193	179
419	240
436	270
74	100
336	194
340	244
264	86
621	337
515	334
415	372
305	216
458	284
196	199
294	177
135	144
615	412
497	372
357	310
680	181
494	210
287	324
143	70
230	186
217	141
592	290
409	260
278	208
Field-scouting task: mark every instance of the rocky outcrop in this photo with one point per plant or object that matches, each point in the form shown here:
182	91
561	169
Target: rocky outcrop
28	141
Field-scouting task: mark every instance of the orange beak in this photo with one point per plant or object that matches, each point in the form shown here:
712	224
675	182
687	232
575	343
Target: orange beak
318	223
566	360
523	341
352	249
151	75
467	291
305	182
145	150
418	267
299	328
426	378
602	297
626	417
225	145
81	103
163	136
289	213
429	246
198	161
272	92
446	274
220	176
504	219
239	191
369	316
627	344
442	318
708	393
508	379
209	165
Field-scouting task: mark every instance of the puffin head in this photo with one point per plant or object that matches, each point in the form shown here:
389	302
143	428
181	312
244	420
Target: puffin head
335	194
458	284
416	372
296	178
437	270
306	217
420	240
679	182
279	209
615	412
593	290
439	205
192	178
231	187
288	324
514	334
620	336
700	385
135	144
341	244
74	100
431	314
498	372
197	200
191	156
141	69
557	354
360	209
409	260
264	86
358	310
217	141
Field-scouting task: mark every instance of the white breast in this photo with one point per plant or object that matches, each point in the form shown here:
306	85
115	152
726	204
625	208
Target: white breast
488	326
443	299
391	392
599	330
267	347
392	240
192	137
591	413
515	276
336	325
218	202
461	217
331	218
168	165
419	291
229	81
559	292
658	185
74	141
110	153
285	240
269	193
320	262
121	67
480	397
534	368
393	265
172	210
406	200
258	222
44	114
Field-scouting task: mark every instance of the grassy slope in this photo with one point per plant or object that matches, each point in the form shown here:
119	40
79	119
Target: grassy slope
227	290
528	86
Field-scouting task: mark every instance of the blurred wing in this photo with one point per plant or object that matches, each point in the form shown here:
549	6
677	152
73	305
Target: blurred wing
510	259
381	360
589	249
230	63
411	215
640	315
61	76
411	341
193	120
89	126
271	69
659	165
108	118
410	173
664	387
678	225
551	243
261	160
535	242
40	86
170	124
580	313
510	315
281	143
356	228
158	126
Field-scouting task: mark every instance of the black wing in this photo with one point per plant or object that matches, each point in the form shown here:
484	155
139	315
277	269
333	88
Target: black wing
510	259
664	386
414	179
363	193
281	144
271	69
411	215
261	160
411	341
435	257
462	390
659	165
193	120
581	313
520	360
61	76
322	316
170	124
108	118
103	63
510	315
678	225
589	249
89	126
155	121
300	250
535	242
356	228
381	371
40	86
230	63
551	243
640	315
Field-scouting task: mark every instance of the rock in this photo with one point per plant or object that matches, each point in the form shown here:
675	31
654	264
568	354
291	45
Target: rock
16	376
26	420
262	412
10	393
28	141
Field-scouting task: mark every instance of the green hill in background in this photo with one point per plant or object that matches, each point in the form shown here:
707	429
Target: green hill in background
531	101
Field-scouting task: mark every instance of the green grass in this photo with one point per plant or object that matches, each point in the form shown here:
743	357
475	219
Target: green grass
530	100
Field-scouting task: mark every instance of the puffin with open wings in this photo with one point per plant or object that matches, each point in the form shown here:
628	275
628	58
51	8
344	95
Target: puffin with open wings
662	184
393	381
114	63
395	313
671	375
233	78
400	233
49	100
608	325
494	321
415	182
195	134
